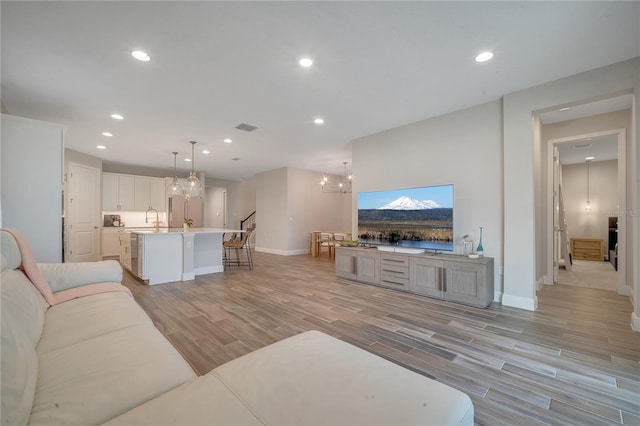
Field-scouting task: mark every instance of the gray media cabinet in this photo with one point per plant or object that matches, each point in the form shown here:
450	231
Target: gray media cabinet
443	276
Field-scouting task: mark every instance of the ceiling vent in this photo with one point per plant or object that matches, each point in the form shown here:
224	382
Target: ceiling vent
584	145
246	127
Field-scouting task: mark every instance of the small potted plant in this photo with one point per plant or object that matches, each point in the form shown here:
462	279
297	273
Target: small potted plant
187	224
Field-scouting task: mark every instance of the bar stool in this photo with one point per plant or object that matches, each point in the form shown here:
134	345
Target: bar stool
238	246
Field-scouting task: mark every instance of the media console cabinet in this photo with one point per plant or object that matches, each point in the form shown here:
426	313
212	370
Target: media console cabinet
443	276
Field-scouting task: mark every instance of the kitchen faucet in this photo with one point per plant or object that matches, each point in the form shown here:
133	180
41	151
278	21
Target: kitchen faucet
156	222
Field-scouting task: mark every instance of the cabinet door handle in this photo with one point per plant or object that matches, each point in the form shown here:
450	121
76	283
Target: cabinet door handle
443	279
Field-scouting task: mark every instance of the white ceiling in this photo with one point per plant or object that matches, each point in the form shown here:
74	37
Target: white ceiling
378	65
602	148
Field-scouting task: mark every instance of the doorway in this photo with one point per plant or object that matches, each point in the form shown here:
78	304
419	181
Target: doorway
597	161
215	209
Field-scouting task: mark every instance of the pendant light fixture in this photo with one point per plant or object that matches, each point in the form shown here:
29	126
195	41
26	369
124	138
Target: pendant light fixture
193	187
587	208
174	187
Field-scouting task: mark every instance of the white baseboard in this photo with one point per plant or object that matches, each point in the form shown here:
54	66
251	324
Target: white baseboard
530	304
283	252
635	322
208	270
497	296
541	282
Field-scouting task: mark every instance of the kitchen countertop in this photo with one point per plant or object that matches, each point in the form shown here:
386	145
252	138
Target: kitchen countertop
181	231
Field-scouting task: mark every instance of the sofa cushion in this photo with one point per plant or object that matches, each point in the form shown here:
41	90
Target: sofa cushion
23	310
28	263
202	401
62	276
89	317
307	379
11	258
313	378
94	380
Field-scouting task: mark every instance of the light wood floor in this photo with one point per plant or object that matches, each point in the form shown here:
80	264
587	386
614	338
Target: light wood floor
573	361
590	273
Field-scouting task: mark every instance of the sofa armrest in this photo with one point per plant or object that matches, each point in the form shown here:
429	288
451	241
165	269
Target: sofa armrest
63	276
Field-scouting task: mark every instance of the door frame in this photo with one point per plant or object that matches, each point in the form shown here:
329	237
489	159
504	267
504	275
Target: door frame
622	202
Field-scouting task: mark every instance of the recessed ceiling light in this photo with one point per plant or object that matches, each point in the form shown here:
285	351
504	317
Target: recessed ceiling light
228	140
140	55
235	158
484	56
101	147
564	109
187	159
204	151
107	134
589	158
305	62
117	116
318	121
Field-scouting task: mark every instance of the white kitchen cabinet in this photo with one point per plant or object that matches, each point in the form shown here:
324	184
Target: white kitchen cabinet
158	197
118	192
111	242
149	194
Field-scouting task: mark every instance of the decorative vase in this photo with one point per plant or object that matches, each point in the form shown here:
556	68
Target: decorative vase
480	249
185	227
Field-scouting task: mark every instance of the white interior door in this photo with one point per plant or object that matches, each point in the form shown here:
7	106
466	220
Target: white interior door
83	215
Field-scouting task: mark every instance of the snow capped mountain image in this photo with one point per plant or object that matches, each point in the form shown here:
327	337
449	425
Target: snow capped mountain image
408	203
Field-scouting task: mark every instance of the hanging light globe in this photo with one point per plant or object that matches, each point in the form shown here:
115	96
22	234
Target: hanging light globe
193	186
174	188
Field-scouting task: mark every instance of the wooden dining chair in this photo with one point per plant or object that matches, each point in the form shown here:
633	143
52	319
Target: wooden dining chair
338	238
326	241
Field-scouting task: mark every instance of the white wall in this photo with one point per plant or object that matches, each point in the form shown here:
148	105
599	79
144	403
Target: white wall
603	181
271	211
290	204
519	195
634	206
463	148
31	180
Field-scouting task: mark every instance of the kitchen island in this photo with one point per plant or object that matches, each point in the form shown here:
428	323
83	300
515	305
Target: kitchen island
172	254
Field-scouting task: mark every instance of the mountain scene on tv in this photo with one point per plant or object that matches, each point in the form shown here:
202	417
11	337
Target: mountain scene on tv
406	220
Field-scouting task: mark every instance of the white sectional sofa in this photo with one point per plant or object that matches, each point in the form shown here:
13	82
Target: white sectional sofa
98	358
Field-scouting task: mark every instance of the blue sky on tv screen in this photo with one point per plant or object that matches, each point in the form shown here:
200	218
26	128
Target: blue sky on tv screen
442	195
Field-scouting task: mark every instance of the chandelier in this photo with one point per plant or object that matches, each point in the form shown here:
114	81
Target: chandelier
343	186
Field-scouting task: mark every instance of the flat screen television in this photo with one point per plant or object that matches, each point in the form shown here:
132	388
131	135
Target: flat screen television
411	217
